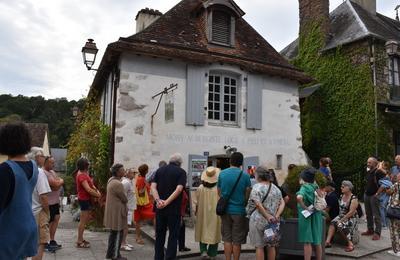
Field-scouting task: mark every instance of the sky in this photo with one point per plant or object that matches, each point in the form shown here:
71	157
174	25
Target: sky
41	40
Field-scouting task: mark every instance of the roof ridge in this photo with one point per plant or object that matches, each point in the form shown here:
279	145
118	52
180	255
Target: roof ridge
360	21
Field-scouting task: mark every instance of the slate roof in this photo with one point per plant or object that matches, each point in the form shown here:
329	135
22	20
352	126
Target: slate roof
349	23
38	132
180	34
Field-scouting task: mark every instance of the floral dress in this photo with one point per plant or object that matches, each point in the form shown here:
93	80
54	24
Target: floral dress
395	223
349	227
257	220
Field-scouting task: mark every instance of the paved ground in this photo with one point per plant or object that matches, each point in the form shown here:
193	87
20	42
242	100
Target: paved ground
66	235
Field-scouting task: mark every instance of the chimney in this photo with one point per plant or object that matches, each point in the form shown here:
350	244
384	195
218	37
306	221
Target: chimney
145	17
314	12
369	5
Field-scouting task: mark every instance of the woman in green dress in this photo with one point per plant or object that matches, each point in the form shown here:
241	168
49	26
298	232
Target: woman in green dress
310	220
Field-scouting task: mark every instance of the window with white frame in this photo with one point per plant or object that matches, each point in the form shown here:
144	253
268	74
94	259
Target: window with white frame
223	98
394	75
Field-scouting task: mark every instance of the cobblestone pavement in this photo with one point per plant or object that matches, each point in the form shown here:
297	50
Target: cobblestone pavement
66	235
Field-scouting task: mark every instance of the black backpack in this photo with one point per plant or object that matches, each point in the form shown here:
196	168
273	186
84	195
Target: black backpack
360	212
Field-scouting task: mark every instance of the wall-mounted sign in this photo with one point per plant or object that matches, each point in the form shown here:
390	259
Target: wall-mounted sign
169	107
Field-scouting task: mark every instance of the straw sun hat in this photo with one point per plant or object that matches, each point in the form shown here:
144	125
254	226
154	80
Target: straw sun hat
210	175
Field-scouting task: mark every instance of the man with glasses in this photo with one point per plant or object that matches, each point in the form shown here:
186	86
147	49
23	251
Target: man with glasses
55	183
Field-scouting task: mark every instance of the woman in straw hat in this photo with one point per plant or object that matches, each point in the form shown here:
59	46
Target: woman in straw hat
208	224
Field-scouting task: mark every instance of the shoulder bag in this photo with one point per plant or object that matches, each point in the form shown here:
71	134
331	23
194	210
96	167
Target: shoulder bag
222	203
265	197
319	202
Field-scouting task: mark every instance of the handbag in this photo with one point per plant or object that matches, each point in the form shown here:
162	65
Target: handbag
319	202
142	199
222	203
272	233
393	212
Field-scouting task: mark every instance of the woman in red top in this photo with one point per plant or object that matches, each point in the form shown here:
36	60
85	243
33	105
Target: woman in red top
85	190
144	208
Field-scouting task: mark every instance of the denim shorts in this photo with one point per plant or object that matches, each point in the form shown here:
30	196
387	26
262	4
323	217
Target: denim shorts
85	205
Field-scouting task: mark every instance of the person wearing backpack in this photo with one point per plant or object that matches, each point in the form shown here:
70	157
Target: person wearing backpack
235	187
346	222
310	220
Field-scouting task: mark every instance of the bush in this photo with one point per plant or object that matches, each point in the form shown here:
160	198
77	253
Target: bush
292	186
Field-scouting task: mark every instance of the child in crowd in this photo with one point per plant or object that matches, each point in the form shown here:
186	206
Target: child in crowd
384	184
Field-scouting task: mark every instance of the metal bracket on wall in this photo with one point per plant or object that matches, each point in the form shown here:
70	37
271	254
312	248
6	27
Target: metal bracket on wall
166	90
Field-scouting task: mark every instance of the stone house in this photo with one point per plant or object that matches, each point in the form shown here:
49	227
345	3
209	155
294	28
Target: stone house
199	80
356	31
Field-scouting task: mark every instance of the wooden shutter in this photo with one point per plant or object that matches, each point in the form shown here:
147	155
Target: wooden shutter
254	102
195	91
221	27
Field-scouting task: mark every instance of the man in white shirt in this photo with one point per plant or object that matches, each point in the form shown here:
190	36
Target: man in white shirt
40	204
129	188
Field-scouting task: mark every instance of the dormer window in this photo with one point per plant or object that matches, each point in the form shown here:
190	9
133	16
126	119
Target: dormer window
221	28
221	19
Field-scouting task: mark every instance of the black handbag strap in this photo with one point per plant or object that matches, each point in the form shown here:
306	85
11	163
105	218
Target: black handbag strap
265	197
234	186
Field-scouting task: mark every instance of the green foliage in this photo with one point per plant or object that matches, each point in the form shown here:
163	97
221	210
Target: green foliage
91	139
292	185
57	113
338	120
69	185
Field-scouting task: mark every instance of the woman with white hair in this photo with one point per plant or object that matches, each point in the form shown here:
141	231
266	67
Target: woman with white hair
40	203
346	222
264	208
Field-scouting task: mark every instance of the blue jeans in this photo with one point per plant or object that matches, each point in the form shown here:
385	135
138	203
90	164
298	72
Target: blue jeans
383	202
172	222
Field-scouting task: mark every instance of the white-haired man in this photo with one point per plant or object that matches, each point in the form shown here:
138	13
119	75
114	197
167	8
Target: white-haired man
167	186
40	203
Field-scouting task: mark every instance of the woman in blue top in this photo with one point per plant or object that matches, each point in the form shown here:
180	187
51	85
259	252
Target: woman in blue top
310	220
18	176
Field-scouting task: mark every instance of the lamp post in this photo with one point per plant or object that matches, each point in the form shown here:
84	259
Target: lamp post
89	52
392	49
75	111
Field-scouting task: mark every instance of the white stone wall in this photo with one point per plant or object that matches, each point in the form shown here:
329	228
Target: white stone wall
137	143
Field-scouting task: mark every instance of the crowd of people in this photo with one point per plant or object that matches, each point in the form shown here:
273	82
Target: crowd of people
230	205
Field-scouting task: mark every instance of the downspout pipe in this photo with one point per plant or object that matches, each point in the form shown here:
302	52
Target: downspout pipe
372	53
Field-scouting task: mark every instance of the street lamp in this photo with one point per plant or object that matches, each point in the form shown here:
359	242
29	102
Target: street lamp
89	52
391	47
75	111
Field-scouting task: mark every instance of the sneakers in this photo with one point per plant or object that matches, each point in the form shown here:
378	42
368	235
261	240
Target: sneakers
204	255
367	233
126	248
376	237
53	243
391	252
52	246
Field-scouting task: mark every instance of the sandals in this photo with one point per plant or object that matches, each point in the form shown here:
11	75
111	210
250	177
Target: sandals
349	248
83	244
139	241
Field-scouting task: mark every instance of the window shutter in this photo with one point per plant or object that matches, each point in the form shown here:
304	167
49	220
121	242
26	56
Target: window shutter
195	91
254	102
221	27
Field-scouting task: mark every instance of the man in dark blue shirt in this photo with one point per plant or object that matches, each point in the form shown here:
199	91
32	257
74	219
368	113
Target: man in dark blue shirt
167	186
